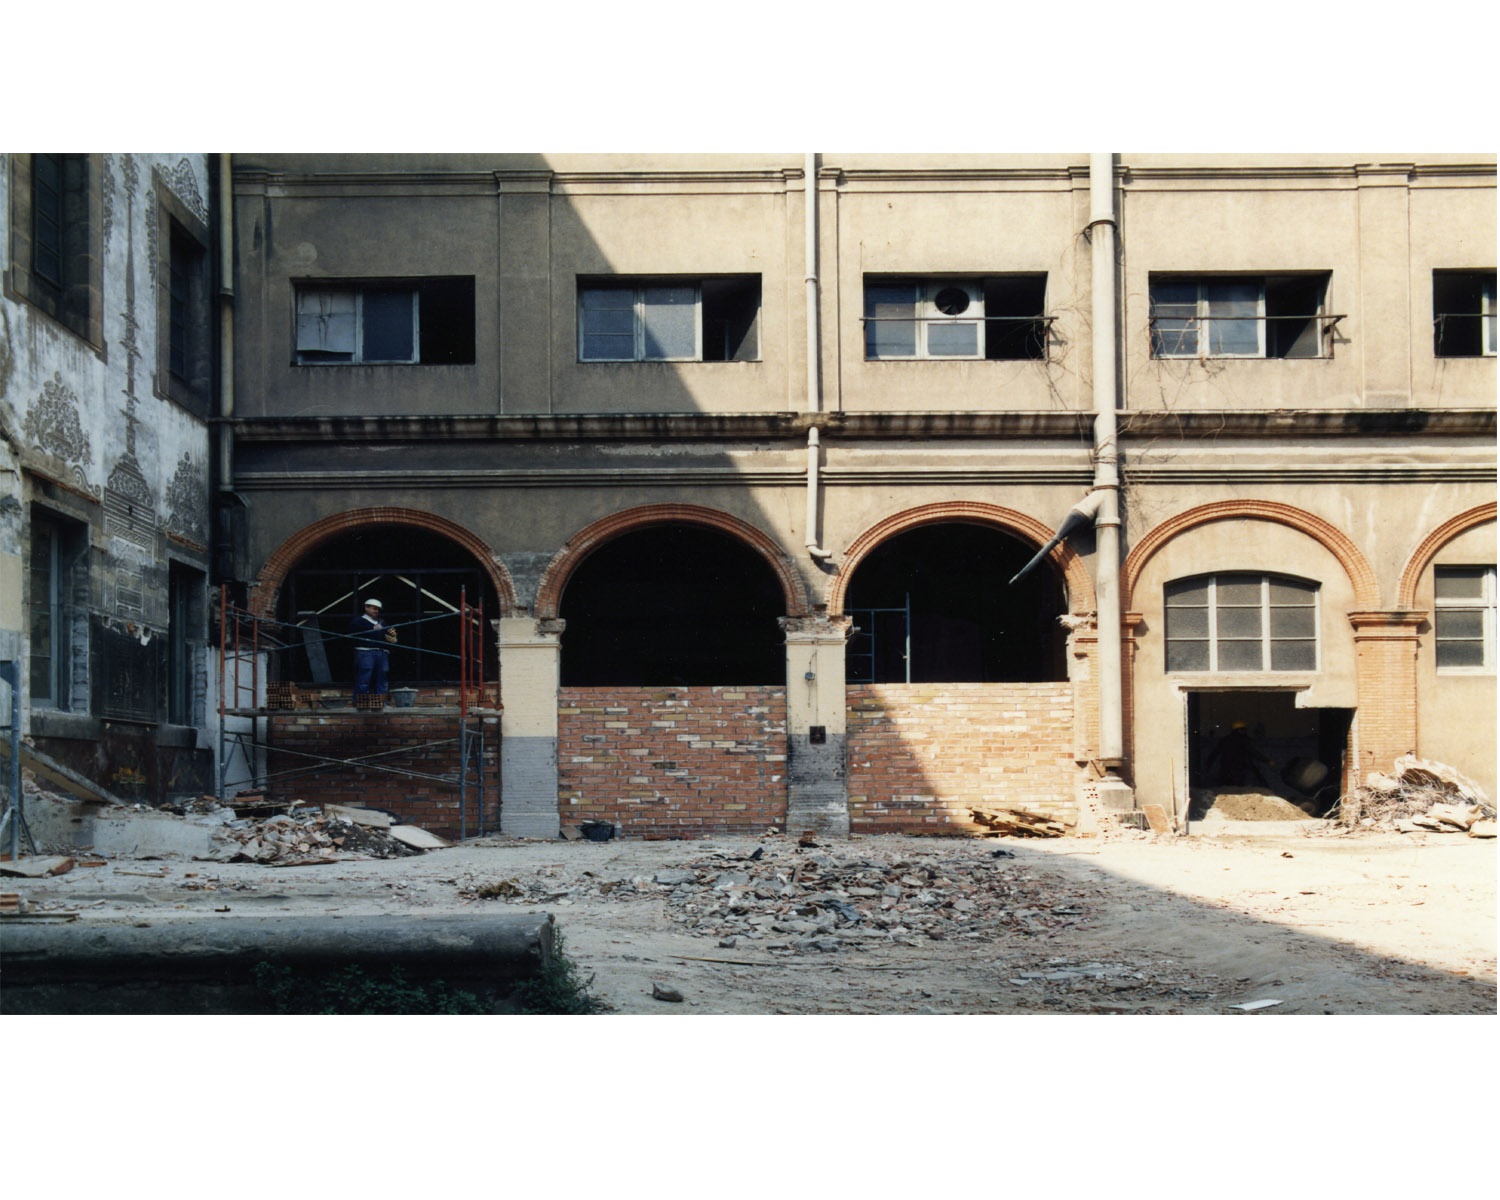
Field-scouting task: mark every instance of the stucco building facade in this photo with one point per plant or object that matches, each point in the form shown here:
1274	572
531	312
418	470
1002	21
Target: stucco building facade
107	378
747	456
756	465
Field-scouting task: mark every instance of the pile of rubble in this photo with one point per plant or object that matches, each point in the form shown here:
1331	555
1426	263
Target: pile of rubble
309	837
786	897
1420	795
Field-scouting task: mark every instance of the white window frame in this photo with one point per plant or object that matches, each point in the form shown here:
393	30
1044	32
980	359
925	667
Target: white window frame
311	322
1484	604
640	308
926	316
1267	640
1203	318
1487	320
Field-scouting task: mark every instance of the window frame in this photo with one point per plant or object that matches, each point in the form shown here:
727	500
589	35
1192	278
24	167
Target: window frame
184	305
1266	636
1484	280
726	318
1200	322
1484	604
926	316
74	299
358	291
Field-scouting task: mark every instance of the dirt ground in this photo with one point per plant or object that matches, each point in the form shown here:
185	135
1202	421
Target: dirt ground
1285	917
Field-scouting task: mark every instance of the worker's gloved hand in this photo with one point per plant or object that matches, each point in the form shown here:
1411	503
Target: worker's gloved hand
390	635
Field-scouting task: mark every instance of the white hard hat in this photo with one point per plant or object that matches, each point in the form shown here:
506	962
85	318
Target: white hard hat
373	601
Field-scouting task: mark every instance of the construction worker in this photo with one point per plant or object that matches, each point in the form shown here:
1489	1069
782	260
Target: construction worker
371	658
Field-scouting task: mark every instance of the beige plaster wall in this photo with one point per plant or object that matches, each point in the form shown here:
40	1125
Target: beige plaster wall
1456	710
1233	545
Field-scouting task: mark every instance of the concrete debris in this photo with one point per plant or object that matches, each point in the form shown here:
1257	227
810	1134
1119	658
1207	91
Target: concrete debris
660	991
789	901
310	838
1418	795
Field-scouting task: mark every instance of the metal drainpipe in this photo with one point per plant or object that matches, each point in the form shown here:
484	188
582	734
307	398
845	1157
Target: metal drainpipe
814	384
1106	455
226	324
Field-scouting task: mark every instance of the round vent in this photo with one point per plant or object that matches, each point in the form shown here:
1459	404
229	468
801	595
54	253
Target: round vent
951	301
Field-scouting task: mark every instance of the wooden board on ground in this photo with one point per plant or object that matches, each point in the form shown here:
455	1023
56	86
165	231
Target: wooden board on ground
36	868
1016	823
1156	817
417	837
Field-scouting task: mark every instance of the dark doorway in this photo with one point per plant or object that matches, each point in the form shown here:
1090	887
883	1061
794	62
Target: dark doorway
1305	746
934	605
419	578
673	604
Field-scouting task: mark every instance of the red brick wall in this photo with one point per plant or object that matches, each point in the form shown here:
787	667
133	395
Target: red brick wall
401	737
673	762
921	755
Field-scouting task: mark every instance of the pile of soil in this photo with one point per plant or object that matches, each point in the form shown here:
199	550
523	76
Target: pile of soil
1248	806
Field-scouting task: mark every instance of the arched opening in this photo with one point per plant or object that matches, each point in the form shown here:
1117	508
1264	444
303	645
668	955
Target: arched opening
419	577
672	604
934	605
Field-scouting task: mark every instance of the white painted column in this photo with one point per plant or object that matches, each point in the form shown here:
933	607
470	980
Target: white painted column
816	712
530	653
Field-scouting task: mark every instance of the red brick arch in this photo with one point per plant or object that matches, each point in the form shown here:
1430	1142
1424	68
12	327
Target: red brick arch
586	541
302	543
1406	593
1075	575
1330	537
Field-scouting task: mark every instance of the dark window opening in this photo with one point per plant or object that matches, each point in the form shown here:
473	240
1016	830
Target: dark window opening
934	605
187	309
57	584
60	277
428	321
1013	305
1463	307
185	632
673	605
419	579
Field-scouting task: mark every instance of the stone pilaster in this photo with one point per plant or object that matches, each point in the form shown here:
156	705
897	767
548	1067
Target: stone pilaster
1385	647
816	707
530	653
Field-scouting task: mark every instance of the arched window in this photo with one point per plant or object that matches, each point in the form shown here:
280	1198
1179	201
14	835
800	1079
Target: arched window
1242	622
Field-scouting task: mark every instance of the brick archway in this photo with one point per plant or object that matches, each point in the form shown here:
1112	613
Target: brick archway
279	564
1332	539
1406	593
586	541
1080	587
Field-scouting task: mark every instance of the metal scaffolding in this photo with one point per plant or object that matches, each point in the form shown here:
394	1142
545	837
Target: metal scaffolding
254	688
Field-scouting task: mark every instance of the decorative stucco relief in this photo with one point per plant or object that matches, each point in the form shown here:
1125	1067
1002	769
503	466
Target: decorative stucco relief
184	185
186	501
53	424
107	197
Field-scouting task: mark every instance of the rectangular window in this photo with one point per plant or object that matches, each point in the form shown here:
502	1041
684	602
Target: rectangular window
53	573
185	631
1242	622
56	250
998	317
187	307
1464	618
1463	308
713	319
429	321
1241	316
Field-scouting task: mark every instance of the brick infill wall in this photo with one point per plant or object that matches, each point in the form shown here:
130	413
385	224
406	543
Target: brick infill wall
922	755
672	762
409	739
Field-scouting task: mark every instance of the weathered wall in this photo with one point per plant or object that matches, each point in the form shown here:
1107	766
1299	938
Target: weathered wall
922	755
108	444
673	762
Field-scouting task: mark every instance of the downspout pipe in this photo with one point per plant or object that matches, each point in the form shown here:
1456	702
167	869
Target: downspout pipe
226	324
814	376
1102	234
